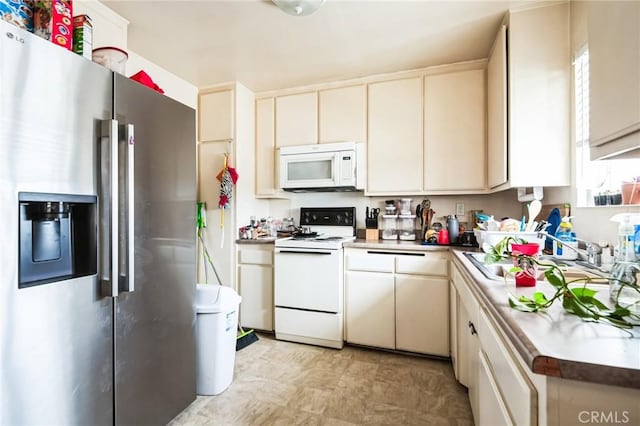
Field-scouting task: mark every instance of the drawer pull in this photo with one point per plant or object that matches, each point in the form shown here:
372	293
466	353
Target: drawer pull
394	253
472	328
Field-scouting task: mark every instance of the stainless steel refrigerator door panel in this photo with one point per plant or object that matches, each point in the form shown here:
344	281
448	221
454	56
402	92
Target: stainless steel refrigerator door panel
55	339
155	344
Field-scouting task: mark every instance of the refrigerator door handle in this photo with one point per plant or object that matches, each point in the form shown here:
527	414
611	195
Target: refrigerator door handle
109	208
127	271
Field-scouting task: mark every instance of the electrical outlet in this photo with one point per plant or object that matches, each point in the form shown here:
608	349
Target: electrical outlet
459	209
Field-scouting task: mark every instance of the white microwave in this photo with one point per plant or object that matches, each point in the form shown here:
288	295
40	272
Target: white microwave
322	167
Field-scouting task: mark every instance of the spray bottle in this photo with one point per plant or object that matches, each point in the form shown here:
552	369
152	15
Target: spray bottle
623	280
568	238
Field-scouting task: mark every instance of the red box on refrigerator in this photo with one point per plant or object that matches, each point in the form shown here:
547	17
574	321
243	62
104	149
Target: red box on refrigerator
53	21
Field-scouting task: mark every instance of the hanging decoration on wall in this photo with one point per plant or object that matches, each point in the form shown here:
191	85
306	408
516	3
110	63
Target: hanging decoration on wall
228	176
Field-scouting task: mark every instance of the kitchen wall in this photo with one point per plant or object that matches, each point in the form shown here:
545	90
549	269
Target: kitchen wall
110	29
500	204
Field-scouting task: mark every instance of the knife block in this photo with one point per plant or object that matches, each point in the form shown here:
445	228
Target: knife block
371	234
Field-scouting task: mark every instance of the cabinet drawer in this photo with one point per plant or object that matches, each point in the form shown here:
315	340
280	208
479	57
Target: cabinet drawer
370	262
255	257
517	392
427	264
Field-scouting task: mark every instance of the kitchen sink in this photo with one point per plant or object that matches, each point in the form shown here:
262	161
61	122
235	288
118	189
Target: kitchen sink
572	269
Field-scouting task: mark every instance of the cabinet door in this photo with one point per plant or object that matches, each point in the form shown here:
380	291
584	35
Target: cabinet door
297	119
265	148
342	114
453	330
370	309
464	345
256	290
539	96
497	111
614	76
394	150
518	393
215	116
422	315
454	131
492	411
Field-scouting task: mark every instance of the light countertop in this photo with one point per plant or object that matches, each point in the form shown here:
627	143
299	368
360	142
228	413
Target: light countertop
556	343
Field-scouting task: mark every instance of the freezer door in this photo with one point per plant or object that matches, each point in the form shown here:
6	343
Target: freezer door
154	332
55	339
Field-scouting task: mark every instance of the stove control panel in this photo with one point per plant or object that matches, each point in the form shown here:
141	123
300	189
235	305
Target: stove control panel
328	216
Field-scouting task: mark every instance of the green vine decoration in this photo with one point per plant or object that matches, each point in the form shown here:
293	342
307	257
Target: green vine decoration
580	301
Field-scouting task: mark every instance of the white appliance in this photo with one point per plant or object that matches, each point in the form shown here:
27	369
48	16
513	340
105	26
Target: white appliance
322	167
309	282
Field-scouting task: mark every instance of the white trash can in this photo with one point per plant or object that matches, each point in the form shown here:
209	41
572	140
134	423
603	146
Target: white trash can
216	335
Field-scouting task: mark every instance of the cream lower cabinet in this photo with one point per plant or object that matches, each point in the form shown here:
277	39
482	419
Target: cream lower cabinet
494	412
255	285
502	388
370	309
397	300
466	310
500	392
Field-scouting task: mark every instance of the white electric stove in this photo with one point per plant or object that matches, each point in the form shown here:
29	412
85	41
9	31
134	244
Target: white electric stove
309	284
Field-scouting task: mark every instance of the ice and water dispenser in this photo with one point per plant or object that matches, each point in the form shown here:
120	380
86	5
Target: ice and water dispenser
57	237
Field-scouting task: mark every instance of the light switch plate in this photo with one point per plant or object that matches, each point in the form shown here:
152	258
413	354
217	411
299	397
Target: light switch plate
459	209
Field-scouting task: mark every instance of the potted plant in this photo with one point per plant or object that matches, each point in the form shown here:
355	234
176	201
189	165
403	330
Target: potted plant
579	300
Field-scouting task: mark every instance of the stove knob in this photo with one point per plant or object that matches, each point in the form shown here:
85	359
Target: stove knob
338	218
314	217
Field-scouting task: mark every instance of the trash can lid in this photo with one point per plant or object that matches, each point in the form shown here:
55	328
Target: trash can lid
213	298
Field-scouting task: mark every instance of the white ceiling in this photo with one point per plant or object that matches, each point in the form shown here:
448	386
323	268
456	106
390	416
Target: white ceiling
254	42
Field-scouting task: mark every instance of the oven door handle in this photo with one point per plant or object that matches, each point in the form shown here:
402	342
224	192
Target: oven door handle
304	252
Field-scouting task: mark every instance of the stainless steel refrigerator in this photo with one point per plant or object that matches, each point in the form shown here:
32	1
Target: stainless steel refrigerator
97	253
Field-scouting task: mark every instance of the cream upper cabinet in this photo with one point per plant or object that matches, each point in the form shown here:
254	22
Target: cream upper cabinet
614	77
394	149
454	131
497	111
297	119
539	96
215	116
343	114
266	182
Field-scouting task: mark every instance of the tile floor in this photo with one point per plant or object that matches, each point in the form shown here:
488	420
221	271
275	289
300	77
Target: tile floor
282	383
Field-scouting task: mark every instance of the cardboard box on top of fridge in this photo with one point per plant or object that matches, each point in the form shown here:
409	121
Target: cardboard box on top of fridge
53	20
83	36
18	13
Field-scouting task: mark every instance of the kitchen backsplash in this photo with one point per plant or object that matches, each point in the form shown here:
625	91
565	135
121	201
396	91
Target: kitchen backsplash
499	204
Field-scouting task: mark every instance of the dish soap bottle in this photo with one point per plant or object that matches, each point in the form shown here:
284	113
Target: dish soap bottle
568	238
623	279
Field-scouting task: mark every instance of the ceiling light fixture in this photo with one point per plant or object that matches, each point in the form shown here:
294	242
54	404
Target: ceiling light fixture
299	7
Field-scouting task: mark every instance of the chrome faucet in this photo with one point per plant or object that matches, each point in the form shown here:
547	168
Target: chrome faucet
592	254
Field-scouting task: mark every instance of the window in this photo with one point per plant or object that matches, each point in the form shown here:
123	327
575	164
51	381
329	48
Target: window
598	182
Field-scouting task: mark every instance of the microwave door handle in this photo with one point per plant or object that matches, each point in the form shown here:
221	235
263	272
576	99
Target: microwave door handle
108	207
127	239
